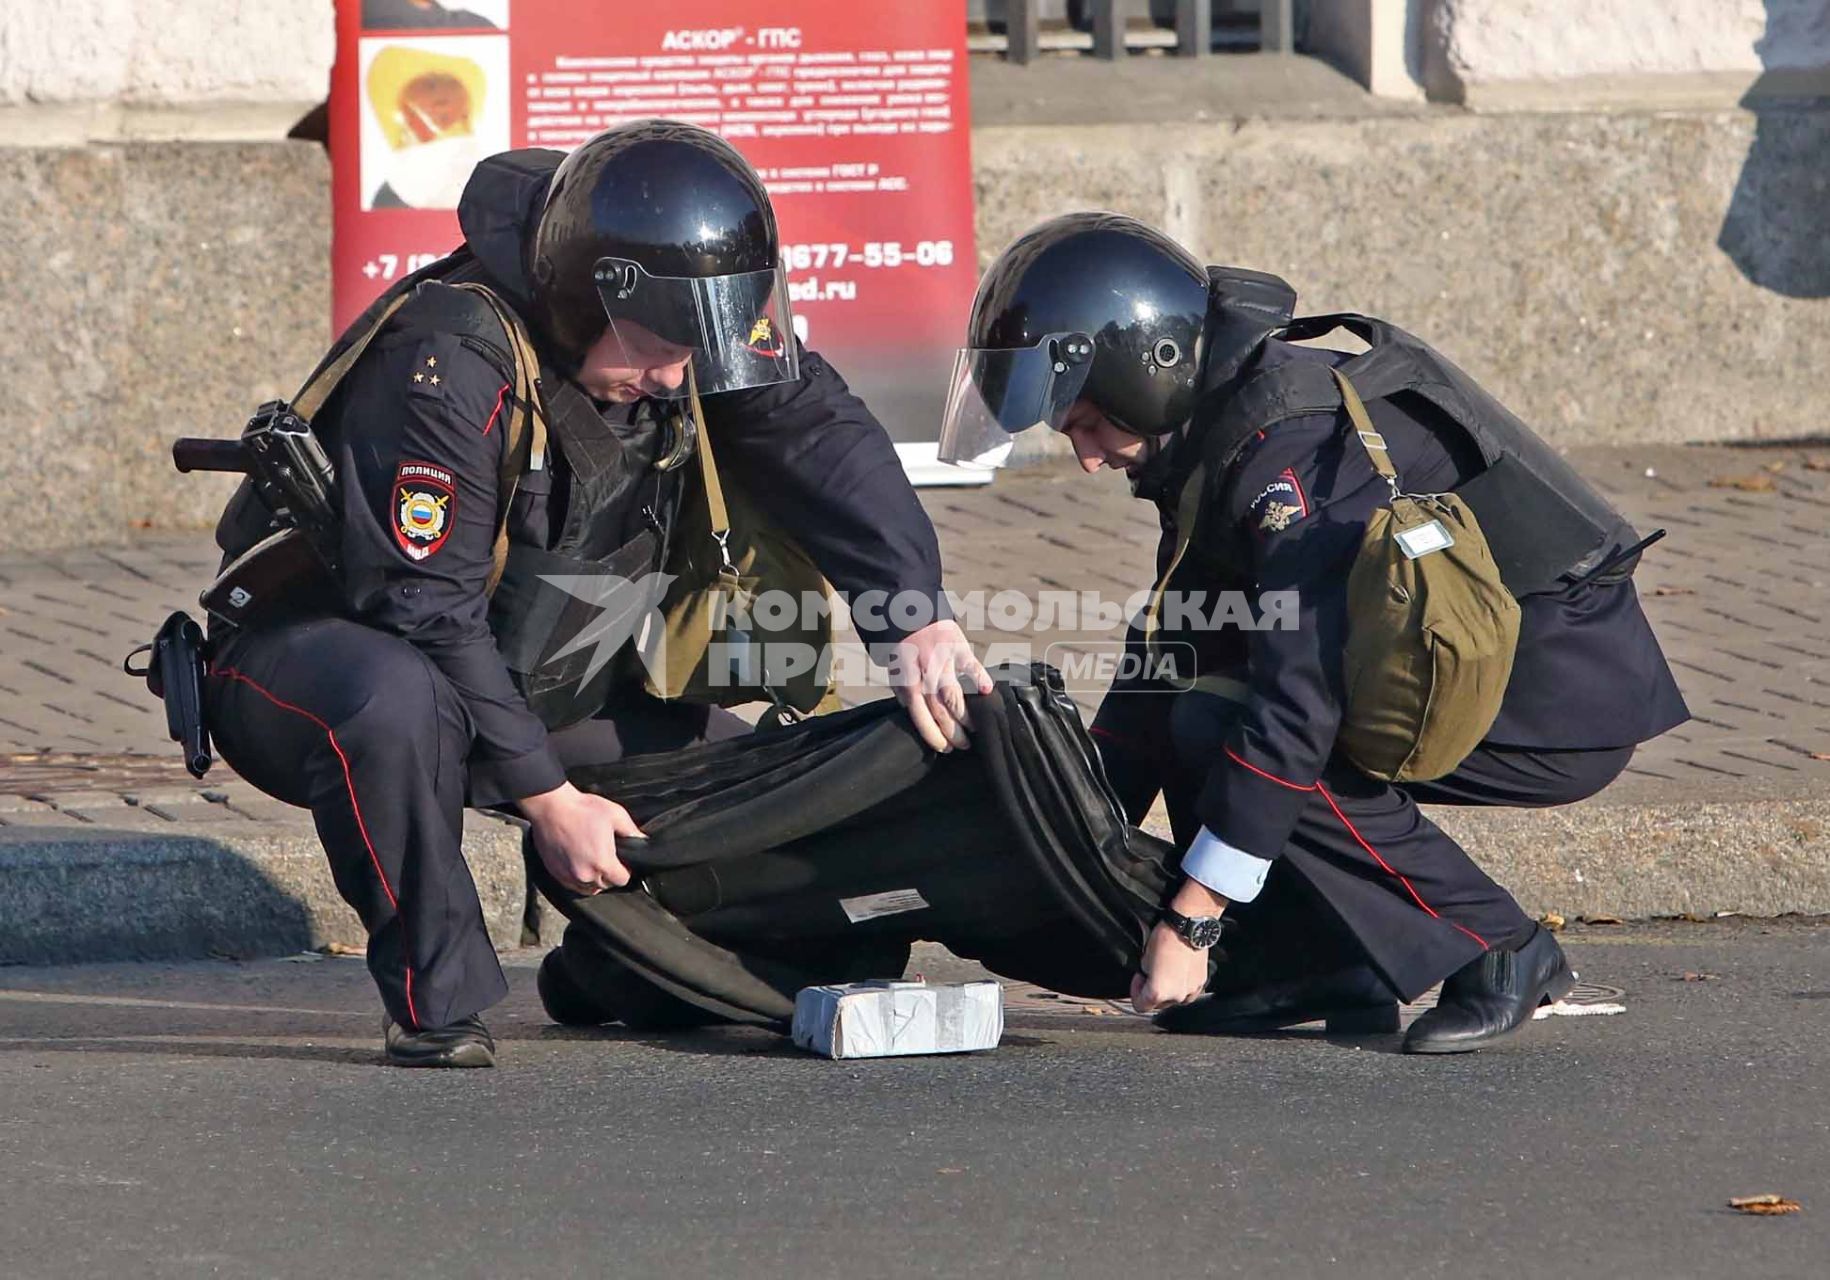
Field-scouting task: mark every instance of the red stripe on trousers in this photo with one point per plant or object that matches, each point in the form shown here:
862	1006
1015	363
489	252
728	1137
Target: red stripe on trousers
1390	870
1355	833
349	782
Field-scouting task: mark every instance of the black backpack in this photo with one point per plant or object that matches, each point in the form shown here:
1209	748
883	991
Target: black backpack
821	851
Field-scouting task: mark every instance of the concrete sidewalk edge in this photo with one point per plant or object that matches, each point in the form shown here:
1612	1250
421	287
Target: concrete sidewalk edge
70	894
1758	857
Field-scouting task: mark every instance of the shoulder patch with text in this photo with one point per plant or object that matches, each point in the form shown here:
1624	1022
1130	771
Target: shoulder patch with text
425	500
1279	504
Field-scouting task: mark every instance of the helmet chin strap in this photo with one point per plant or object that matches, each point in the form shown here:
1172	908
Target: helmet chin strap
1159	461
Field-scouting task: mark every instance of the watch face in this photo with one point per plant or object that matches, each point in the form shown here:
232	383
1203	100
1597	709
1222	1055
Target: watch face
1200	932
1204	932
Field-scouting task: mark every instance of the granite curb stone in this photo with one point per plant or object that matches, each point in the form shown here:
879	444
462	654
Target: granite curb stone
161	889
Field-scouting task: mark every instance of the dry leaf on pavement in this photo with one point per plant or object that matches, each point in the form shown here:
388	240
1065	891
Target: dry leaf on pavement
1552	921
1764	1204
1674	591
1602	920
1691	975
343	949
1759	482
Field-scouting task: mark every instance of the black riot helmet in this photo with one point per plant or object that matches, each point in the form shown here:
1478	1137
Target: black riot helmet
665	225
1088	305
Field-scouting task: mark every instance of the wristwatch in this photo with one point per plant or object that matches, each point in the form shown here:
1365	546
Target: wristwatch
1199	932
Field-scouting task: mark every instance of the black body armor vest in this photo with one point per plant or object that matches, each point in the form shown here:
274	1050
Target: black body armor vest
614	500
614	523
1546	525
613	504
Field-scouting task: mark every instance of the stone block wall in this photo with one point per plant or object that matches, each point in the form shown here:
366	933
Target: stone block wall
1566	55
1618	274
165	52
1570	261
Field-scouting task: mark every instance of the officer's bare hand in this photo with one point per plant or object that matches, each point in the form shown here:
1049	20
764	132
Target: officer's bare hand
1173	972
930	671
575	833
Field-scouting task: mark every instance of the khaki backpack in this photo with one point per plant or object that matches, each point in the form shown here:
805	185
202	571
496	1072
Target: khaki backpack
1431	629
724	554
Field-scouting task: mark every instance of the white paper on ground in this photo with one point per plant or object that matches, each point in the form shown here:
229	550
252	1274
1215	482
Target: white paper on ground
896	1019
872	905
1563	1009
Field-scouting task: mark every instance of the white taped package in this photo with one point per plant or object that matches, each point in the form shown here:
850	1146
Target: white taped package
893	1019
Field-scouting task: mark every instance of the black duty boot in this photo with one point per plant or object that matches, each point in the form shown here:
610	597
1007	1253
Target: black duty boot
1352	1001
1492	997
465	1043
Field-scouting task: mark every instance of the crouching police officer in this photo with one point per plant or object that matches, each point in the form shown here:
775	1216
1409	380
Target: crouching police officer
1339	895
411	682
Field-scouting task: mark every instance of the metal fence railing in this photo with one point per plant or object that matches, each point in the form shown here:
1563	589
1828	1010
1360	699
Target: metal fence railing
1191	20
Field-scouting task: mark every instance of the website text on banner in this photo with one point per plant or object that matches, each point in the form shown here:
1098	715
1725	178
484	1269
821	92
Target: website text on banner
856	115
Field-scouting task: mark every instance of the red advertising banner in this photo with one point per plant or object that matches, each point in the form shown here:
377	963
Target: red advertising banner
855	114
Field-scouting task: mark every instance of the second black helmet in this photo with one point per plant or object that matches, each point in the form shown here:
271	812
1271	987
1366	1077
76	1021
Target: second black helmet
664	225
1093	306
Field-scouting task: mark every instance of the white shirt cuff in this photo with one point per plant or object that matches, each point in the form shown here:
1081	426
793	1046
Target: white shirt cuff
1232	873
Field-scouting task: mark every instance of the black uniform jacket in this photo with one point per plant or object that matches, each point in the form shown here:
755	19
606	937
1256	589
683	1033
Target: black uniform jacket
416	432
1588	674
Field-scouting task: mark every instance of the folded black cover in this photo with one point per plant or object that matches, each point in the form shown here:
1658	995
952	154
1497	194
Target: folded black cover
769	857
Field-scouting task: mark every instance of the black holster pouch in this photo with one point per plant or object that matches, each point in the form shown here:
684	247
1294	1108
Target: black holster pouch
174	671
820	852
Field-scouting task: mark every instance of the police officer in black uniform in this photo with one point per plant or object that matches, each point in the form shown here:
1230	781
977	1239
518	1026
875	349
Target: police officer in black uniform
1340	893
389	699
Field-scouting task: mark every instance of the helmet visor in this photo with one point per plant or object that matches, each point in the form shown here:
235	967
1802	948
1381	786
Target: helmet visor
996	393
737	330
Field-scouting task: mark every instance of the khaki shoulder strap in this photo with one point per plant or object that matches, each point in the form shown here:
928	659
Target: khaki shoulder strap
524	449
1188	506
1188	510
525	443
326	377
1367	434
718	514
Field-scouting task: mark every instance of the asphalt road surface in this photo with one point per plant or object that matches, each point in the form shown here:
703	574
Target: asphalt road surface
233	1119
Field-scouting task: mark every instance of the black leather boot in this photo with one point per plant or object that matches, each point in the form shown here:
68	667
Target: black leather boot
1487	1000
465	1043
1352	1001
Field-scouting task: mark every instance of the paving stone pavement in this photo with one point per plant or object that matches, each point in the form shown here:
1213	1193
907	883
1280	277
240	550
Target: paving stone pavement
1739	593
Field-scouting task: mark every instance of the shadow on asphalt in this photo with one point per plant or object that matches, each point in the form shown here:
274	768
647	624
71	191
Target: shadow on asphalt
714	1042
1382	1043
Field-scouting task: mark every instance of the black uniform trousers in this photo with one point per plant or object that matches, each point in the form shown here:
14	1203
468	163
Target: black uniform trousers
358	726
1366	878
